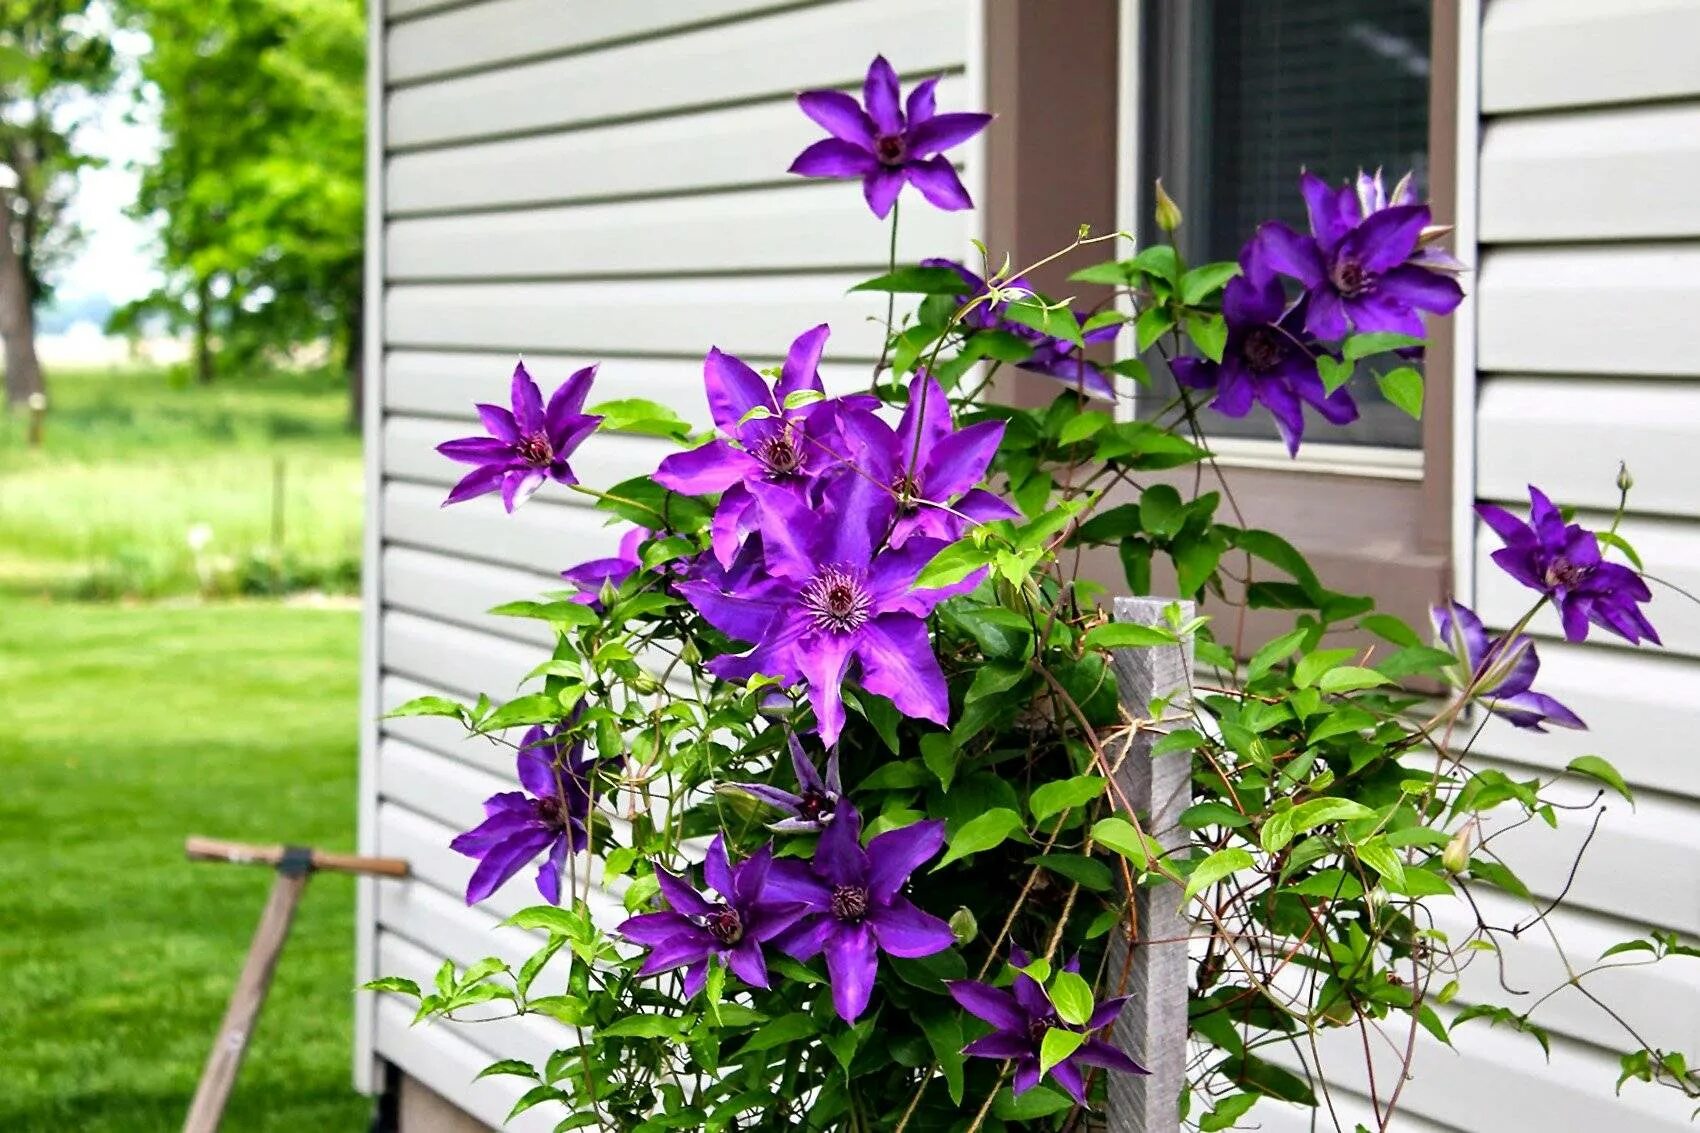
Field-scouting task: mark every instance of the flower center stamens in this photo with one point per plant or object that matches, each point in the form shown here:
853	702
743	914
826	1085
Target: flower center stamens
1263	350
850	903
1350	278
780	453
836	600
813	805
725	925
1563	572
890	149
908	491
535	449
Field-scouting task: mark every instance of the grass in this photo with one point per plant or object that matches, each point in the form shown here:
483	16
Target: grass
128	728
132	462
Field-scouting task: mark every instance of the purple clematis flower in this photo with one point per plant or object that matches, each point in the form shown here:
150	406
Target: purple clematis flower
930	466
1268	359
1373	196
1358	269
788	447
1056	358
527	444
1563	561
1021	1017
695	928
854	908
816	800
1499	671
591	577
550	816
888	144
830	603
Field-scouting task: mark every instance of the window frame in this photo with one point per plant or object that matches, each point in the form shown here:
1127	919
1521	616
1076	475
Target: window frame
1064	82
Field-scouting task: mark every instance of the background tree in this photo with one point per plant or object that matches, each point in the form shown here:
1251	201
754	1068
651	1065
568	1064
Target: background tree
55	57
258	189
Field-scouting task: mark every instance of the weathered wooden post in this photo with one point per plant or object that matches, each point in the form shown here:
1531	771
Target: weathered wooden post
1153	1028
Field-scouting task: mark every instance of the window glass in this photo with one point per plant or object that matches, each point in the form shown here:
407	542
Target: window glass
1239	95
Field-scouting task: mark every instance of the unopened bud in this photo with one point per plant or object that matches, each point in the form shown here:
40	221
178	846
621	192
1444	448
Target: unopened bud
1456	857
644	684
1168	213
963	924
1624	480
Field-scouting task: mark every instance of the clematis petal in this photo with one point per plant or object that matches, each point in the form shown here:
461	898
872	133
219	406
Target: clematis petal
852	963
1107	1012
1247	302
1026	1076
1287	412
880	93
1382	312
937	180
1504	524
880	189
519	485
749	877
1067	1075
689	947
747	963
789	880
568	401
709	468
549	873
503	861
1328	223
831	157
733	389
994	1005
477	450
922	101
680	894
527	401
478	482
943	131
839	115
499	421
959	461
898	663
652	928
801	370
1097	1052
1387	238
905	931
1000	1044
896	854
1423	289
1282	250
717	867
696	978
839	857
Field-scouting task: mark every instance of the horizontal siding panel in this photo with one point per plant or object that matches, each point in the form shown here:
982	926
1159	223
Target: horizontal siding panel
1353	1110
1625	697
401	9
443	1059
682	317
541	536
768	58
1670	550
1545	53
443	922
805	227
463	660
711	149
1597	175
605	459
461	591
1569	435
1619	310
500	30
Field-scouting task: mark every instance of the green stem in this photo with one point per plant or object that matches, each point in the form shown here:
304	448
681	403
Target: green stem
890	301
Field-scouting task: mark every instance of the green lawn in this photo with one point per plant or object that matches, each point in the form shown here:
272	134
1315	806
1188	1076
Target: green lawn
125	729
132	463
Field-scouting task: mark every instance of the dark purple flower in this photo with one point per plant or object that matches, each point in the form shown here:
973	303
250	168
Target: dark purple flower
887	143
854	908
549	816
930	466
830	603
526	445
695	928
1057	358
1268	359
815	801
1373	196
1358	269
1499	671
1563	561
788	447
1022	1015
591	577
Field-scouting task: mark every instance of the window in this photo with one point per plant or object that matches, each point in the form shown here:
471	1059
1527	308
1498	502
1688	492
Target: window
1235	96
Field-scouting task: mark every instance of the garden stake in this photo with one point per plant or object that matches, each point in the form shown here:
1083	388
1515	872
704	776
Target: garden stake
294	865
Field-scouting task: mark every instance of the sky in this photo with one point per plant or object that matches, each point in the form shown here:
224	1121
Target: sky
114	260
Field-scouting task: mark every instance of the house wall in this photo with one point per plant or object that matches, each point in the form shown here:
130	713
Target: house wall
574	181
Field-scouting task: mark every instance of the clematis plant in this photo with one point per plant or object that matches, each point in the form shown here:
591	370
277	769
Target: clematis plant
850	663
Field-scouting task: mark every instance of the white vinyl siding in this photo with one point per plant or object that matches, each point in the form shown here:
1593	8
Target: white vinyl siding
573	181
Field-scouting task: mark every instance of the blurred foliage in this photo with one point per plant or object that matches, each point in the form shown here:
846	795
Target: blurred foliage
259	186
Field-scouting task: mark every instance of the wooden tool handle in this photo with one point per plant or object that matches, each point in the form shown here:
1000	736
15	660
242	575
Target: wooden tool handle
216	850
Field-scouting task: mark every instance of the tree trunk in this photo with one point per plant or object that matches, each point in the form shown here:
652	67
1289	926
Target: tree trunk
203	332
17	319
354	359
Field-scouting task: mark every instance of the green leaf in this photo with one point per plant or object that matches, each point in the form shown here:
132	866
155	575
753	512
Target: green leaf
1288	824
535	1096
1275	652
912	279
1384	860
1252	1073
942	755
1066	794
1056	1046
1392	629
1162	512
785	1029
427	706
1613	539
1313	665
905	352
1212	813
1082	426
1072	997
508	1066
944	1034
1329	884
980	834
1112	273
1214	868
1209	333
1153	323
1227	1113
953	564
1404	388
1056	321
993	678
1127	635
538	708
1499	876
1160	260
1199	283
896	777
1117	833
393	984
1350	678
1379	342
646	418
1040	1101
1334	372
1089	872
1593	767
642	1026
